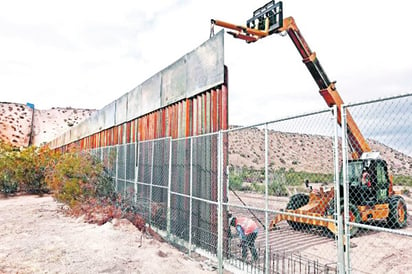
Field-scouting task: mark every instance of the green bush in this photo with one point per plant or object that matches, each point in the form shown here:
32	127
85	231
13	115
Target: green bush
235	182
278	189
279	180
7	185
23	169
402	180
78	177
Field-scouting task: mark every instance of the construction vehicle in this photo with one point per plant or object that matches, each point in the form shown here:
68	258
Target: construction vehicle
368	201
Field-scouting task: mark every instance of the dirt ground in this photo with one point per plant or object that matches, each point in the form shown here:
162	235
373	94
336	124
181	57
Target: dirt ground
370	251
36	237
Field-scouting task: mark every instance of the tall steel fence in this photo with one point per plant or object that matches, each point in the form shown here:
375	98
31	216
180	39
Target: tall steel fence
296	178
174	185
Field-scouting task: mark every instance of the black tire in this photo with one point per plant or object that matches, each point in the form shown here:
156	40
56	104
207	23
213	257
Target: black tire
354	217
297	201
398	213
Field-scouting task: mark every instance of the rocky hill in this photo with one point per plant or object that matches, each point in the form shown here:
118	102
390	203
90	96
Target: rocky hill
21	125
302	152
15	123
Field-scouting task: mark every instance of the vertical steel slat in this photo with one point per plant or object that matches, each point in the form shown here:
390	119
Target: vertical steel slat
115	136
189	116
214	110
204	113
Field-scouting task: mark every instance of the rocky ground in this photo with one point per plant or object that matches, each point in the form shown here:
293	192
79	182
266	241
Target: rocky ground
370	251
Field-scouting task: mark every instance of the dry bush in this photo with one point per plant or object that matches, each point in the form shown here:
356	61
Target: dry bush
23	169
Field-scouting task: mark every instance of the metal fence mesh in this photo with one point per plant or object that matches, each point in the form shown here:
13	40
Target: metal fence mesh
316	209
378	188
278	159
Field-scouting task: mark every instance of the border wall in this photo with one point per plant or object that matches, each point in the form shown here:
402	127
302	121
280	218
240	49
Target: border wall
187	98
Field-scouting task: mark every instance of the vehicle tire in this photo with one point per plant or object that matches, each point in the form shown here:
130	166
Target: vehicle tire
354	217
398	213
296	201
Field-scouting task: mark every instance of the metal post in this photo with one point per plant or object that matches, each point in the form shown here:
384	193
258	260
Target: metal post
220	202
151	185
136	175
125	148
169	185
117	166
341	252
345	188
266	199
190	196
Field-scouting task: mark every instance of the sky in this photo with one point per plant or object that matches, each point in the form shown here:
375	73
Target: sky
86	54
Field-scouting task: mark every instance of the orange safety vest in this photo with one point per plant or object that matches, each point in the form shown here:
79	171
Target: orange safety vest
248	225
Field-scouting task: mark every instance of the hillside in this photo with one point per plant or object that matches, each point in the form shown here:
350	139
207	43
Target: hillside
302	152
22	126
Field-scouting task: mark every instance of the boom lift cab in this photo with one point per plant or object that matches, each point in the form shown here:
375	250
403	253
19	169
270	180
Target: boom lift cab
371	195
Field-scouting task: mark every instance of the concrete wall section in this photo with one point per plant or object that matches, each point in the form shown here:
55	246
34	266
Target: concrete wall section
108	114
149	95
133	103
174	82
121	109
205	66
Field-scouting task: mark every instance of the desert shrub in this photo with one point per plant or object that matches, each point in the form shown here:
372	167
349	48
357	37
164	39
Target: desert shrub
402	180
279	179
31	166
258	187
235	182
277	188
8	184
23	169
78	177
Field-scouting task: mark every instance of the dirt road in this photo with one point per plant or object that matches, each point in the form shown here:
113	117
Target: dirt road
370	251
36	237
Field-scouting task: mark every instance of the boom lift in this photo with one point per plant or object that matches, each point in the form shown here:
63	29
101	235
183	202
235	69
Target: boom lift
374	200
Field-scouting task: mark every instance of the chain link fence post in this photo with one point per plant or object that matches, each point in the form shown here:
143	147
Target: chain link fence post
340	241
136	171
117	165
151	183
345	189
266	199
169	194
190	196
220	202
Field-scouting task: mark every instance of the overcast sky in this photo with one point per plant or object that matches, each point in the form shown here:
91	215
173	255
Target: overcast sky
85	54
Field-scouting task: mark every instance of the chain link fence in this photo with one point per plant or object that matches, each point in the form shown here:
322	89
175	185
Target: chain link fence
318	207
377	188
281	175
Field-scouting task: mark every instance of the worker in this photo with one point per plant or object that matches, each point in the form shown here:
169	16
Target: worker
366	181
247	230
